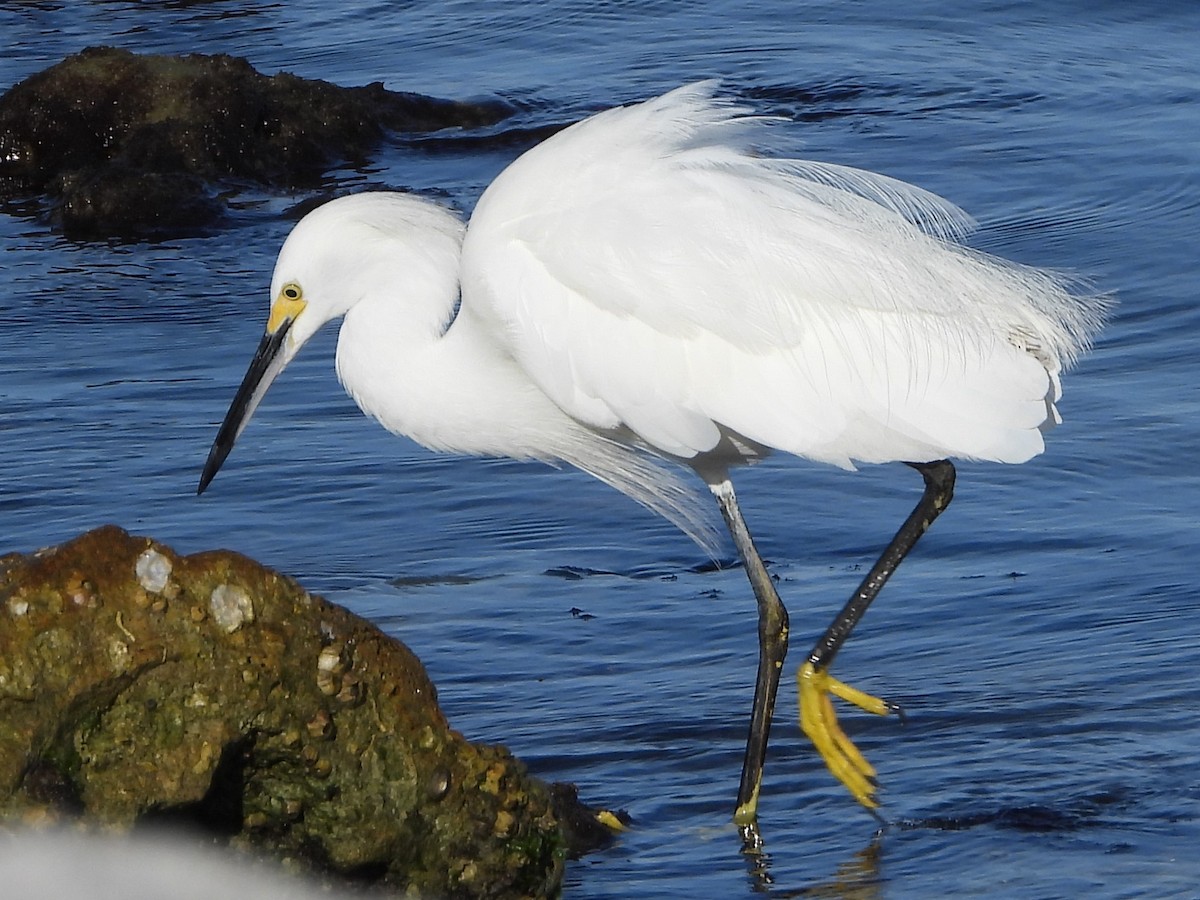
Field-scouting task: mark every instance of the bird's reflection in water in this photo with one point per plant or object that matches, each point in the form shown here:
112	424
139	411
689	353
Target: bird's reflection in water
857	878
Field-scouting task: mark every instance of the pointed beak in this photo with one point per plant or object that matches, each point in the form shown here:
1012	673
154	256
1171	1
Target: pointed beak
269	360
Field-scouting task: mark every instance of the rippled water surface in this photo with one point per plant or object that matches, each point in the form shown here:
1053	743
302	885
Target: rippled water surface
1044	639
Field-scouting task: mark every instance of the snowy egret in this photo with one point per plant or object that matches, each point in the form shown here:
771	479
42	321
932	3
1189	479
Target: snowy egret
644	289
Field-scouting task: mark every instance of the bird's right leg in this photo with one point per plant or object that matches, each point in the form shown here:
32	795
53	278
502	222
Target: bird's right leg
817	716
772	648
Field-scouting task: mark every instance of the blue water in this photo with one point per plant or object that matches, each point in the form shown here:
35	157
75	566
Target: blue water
1045	637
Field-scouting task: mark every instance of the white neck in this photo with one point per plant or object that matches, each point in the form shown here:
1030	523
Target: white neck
460	392
455	391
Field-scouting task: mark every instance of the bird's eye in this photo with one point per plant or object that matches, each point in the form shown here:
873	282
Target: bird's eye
291	291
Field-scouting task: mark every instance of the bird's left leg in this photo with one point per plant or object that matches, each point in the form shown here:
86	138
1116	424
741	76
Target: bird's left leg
772	648
816	685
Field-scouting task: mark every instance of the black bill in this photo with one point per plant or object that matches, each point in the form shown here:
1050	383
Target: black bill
267	363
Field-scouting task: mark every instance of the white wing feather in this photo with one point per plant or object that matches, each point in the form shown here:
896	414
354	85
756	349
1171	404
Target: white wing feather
649	272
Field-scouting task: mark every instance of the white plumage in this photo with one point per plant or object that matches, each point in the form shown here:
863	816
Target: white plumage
643	288
660	284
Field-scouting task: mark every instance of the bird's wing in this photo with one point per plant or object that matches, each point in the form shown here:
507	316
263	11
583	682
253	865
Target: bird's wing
649	271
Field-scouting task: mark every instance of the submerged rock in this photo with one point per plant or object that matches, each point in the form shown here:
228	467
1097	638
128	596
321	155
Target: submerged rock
127	144
139	687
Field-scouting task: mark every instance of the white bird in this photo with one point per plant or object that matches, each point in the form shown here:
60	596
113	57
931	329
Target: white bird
641	290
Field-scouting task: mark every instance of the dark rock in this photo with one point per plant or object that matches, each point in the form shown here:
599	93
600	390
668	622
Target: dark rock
123	143
117	201
586	828
139	688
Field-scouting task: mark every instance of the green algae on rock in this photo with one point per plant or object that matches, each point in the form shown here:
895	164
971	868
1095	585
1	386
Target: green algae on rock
138	686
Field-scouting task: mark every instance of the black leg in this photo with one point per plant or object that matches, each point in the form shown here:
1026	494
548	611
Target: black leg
817	716
939	489
772	648
816	709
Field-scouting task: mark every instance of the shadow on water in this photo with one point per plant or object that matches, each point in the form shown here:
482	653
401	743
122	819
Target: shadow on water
645	573
435	580
818	102
1069	816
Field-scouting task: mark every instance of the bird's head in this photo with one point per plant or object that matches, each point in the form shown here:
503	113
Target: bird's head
338	254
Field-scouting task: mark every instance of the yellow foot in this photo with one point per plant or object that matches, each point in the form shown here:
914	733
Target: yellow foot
819	722
612	821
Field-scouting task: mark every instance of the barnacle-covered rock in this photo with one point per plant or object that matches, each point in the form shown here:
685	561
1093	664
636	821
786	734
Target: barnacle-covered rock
138	686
